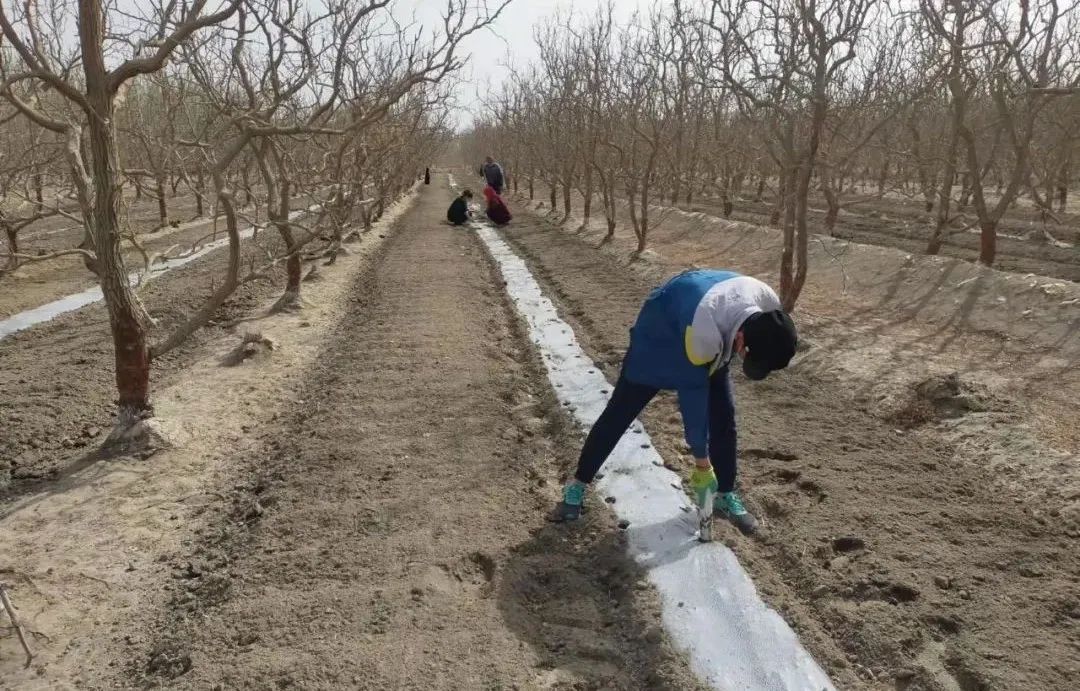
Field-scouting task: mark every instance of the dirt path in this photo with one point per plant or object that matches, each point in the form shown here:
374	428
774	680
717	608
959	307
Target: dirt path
944	571
400	537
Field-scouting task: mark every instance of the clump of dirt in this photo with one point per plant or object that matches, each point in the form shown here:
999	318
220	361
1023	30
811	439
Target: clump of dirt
941	397
169	659
252	345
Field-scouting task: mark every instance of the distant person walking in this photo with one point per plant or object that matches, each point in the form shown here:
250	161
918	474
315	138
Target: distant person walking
427	176
492	173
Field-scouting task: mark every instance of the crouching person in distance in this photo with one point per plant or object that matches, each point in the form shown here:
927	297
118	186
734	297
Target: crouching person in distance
458	213
496	210
685	336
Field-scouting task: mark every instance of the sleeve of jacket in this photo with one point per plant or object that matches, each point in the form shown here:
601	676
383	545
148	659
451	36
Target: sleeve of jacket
702	339
694	406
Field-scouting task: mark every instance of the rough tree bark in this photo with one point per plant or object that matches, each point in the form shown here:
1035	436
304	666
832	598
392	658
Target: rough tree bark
125	318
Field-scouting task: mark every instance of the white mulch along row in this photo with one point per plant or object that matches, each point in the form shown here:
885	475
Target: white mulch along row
70	303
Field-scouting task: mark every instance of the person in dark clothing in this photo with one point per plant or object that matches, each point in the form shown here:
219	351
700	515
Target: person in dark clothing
458	213
497	210
427	176
492	173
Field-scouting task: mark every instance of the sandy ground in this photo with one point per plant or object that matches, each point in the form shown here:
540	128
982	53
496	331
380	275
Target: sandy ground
956	547
363	507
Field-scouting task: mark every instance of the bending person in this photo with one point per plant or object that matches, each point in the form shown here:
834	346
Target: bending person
497	210
685	336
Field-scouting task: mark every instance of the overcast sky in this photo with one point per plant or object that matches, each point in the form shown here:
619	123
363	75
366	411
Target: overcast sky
510	40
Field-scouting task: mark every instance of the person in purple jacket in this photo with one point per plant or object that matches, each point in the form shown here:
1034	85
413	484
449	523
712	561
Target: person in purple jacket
686	335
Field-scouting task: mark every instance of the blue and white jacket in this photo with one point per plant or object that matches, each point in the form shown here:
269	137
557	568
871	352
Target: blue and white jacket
686	331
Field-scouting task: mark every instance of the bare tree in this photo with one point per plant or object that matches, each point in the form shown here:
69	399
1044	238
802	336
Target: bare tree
998	58
780	58
87	123
269	79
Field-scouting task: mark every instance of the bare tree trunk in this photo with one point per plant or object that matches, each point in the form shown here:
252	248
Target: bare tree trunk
1063	186
987	242
554	195
801	231
787	254
643	218
39	188
199	188
832	202
607	195
246	177
958	106
567	191
132	349
725	200
883	176
635	222
294	267
163	212
12	242
781	200
737	183
586	209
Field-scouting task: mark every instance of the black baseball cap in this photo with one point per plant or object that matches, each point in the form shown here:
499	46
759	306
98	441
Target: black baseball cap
770	341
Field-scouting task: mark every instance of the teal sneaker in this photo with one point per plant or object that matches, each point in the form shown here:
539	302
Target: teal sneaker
573	498
729	506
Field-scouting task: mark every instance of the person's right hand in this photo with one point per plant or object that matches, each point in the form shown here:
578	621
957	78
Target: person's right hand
703	481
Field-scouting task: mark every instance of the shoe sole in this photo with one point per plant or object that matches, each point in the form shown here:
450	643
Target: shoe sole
560	516
744	530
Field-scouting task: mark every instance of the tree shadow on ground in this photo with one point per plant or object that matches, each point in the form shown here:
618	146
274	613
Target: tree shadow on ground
574	595
89	468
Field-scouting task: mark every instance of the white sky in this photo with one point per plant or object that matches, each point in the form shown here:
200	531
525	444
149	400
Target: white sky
510	39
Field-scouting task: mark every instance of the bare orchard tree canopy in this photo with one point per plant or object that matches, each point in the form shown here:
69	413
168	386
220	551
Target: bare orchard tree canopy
965	107
270	112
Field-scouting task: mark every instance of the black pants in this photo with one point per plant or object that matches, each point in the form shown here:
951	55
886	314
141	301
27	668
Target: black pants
626	403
